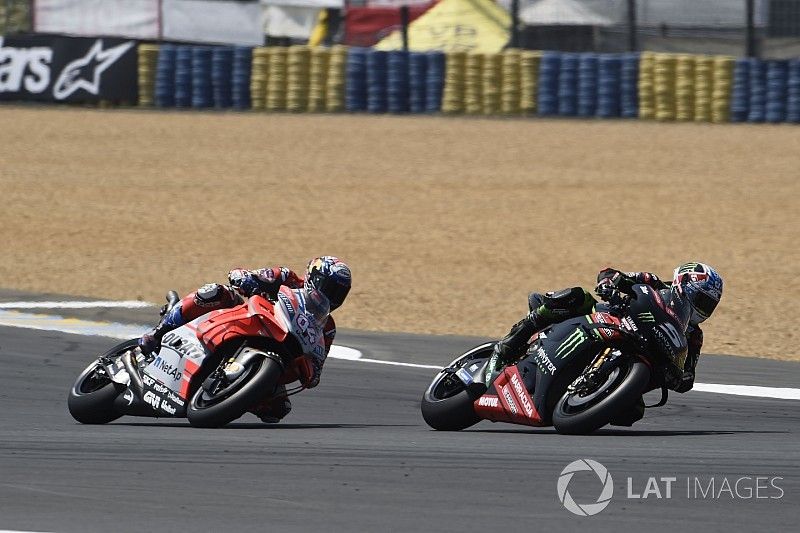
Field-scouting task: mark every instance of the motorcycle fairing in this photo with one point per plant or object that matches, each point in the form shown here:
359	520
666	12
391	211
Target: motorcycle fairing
508	400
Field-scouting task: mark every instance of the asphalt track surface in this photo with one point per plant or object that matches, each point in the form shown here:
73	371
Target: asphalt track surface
355	455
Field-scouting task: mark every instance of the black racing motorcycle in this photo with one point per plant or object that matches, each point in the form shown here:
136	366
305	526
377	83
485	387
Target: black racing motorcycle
578	375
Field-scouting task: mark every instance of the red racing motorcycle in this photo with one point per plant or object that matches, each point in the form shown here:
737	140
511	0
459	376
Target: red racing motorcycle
211	370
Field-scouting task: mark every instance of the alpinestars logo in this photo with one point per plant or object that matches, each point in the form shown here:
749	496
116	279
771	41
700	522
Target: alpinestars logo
86	72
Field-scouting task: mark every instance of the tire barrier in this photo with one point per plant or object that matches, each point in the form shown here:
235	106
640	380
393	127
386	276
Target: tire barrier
793	92
164	89
298	67
337	74
721	92
377	66
146	73
777	80
183	77
510	91
397	82
684	88
473	84
628	85
258	78
548	85
646	86
663	87
222	77
609	74
740	95
356	80
568	85
758	91
318	80
587	85
434	81
276	78
491	78
529	81
454	82
241	72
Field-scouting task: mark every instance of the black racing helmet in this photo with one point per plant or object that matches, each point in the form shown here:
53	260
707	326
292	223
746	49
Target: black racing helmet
330	276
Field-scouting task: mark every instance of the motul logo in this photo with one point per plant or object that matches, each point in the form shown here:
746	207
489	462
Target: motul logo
488	401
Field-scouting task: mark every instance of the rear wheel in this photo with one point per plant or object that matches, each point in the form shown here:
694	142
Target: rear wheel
220	400
586	410
91	399
447	405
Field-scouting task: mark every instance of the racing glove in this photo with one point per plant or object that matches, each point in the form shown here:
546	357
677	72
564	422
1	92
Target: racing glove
308	371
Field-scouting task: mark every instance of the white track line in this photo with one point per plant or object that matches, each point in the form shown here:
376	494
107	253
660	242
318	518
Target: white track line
128	304
127	331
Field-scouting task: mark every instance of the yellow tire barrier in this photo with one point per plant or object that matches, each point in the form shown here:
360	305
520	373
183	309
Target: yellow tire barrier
664	86
510	99
473	84
491	76
721	93
298	77
147	59
335	83
276	82
703	87
317	80
647	97
684	87
454	82
258	78
529	81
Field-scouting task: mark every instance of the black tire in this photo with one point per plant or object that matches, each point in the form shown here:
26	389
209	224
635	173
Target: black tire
621	392
206	411
445	409
91	399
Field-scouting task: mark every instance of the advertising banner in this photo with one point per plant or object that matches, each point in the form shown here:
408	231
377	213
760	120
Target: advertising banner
138	19
67	69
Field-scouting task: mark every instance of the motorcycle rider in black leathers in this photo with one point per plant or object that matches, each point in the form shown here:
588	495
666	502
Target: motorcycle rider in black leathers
696	284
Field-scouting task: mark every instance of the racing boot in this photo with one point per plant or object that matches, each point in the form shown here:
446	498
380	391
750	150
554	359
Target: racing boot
150	342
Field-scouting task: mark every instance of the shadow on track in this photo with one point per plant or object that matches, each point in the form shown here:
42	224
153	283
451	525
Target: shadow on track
629	432
261	425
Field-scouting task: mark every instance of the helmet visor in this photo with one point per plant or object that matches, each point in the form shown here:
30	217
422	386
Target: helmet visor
704	304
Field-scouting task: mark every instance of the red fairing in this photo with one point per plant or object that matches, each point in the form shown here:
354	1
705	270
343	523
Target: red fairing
256	318
508	400
607	318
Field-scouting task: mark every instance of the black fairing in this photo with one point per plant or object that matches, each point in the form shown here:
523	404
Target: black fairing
662	320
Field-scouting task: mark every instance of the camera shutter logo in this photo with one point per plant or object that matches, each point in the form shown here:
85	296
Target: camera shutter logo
585	509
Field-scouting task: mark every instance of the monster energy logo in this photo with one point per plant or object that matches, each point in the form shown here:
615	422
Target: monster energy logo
570	344
688	267
646	317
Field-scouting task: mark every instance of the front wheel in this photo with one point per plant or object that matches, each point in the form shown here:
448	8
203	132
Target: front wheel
447	405
220	401
582	412
91	399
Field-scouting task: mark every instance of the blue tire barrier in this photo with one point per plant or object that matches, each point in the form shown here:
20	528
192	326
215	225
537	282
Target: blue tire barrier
434	83
629	86
202	86
221	74
777	79
164	89
377	65
397	81
417	81
793	91
609	74
240	77
740	92
547	94
356	80
183	76
758	91
587	85
568	85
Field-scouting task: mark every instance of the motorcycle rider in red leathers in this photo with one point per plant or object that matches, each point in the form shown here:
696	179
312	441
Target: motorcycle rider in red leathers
695	285
326	274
